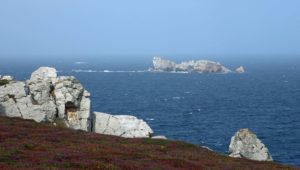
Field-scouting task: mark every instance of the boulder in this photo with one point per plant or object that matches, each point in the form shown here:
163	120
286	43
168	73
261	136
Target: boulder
246	144
241	69
121	125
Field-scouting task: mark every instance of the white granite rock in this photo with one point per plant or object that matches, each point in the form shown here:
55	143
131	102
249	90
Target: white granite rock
46	97
121	125
246	144
44	73
7	77
73	103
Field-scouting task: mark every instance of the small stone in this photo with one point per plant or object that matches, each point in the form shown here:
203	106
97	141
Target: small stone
159	137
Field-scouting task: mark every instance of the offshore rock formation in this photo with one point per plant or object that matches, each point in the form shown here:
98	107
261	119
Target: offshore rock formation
246	144
200	66
121	125
47	98
241	69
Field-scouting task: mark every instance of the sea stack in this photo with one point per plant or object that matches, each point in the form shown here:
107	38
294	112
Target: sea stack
241	69
245	144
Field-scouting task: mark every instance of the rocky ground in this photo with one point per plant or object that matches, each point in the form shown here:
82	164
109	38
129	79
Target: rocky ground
25	144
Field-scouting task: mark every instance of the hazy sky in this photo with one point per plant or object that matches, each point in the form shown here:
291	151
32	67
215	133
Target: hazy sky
43	28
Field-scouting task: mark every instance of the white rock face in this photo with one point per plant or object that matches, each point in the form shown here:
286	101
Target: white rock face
48	98
163	65
44	73
121	125
246	144
200	66
241	69
73	103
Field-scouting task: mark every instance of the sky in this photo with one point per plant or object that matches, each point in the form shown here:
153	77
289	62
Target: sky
70	28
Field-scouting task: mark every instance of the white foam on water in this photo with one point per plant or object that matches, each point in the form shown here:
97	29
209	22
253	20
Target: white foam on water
151	119
80	62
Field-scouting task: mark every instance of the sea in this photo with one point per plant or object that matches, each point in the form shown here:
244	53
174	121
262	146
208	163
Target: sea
203	109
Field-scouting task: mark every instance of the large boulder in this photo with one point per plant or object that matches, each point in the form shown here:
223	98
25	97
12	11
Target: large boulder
246	144
121	125
48	98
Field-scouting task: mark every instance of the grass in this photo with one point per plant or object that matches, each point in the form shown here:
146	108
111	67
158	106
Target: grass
25	144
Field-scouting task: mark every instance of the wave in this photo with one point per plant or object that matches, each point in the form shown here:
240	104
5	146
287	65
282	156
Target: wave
80	62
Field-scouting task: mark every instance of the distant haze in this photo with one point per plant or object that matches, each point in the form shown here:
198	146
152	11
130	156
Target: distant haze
78	28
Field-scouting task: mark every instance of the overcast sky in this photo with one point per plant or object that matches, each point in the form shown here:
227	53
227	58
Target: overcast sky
43	28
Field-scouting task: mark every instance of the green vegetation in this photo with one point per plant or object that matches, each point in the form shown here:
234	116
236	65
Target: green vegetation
3	82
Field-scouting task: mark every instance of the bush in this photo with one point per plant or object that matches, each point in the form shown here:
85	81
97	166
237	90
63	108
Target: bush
3	82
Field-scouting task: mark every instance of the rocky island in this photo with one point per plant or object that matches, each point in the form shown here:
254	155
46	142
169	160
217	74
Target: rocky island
199	66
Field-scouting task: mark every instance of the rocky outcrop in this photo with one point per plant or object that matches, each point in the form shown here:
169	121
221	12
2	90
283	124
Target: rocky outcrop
121	125
200	66
246	144
241	69
47	98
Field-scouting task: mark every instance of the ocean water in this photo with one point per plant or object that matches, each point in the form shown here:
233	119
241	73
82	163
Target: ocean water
204	109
